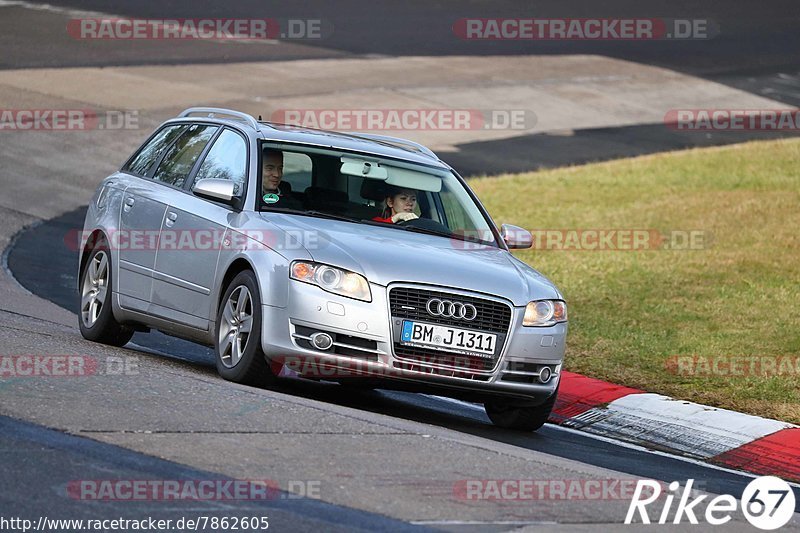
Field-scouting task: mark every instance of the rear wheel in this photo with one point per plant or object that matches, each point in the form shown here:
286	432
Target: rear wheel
522	418
96	320
238	333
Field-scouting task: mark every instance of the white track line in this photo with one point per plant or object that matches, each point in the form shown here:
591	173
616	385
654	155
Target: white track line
54	9
623	444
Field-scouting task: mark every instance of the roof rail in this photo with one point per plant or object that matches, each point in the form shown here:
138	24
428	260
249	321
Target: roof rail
211	111
397	140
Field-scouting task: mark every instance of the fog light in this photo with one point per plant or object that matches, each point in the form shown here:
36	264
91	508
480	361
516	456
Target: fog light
545	374
321	341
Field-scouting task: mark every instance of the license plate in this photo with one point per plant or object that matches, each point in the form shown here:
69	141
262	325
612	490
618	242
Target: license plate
445	338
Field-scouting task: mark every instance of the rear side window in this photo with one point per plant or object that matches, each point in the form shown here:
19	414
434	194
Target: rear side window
151	152
227	160
181	156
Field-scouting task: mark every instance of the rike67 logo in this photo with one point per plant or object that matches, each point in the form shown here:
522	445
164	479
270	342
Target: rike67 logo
767	503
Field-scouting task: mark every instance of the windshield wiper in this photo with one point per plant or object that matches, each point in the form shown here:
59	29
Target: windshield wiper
425	230
322	214
312	213
448	234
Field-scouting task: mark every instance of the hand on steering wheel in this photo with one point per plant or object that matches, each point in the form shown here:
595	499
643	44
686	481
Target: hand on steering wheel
403	217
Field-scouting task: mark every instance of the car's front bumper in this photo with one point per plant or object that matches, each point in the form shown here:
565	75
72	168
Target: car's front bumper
366	348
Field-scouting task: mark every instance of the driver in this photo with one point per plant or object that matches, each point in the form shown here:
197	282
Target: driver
271	177
399	206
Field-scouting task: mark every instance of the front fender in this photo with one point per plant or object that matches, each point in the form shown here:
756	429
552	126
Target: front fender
270	267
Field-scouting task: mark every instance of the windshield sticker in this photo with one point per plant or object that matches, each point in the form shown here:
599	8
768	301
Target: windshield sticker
271	198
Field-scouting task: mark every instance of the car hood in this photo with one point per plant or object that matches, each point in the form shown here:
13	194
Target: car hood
385	255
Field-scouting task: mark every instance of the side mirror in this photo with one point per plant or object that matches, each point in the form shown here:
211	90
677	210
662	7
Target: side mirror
516	237
216	189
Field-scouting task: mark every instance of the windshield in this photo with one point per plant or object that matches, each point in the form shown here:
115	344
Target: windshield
368	189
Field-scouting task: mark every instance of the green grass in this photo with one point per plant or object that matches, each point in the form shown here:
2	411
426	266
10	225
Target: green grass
631	310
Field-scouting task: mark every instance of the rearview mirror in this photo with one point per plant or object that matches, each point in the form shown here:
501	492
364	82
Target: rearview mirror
516	237
216	189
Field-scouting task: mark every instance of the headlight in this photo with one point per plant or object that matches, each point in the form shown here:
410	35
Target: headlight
545	313
332	279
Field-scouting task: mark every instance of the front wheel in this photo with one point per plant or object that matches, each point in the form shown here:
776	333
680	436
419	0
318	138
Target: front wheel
238	333
522	418
96	320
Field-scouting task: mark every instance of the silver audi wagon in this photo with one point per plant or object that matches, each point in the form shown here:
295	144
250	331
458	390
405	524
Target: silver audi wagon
347	257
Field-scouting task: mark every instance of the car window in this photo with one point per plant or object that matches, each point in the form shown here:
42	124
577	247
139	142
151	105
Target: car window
440	202
460	215
354	187
151	152
297	170
227	160
181	156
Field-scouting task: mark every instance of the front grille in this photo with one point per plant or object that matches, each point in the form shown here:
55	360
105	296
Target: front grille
440	371
436	357
492	316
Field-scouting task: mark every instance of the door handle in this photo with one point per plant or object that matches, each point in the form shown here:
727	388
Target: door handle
171	218
129	201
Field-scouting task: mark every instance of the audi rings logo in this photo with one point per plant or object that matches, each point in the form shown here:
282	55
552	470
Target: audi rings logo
448	309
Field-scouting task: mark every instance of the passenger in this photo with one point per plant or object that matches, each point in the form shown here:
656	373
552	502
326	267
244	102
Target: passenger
271	177
399	206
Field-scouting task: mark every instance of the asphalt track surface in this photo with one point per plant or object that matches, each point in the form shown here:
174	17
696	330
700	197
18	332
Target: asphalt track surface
754	41
752	37
61	458
56	278
757	50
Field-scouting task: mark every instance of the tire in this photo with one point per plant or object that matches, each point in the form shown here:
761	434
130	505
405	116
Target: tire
95	318
238	334
521	418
